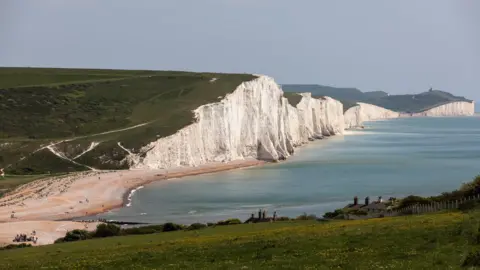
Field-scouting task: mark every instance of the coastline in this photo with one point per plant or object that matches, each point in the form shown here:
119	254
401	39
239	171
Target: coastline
90	193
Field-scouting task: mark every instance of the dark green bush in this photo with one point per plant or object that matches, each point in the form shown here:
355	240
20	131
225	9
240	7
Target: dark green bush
106	230
196	226
472	259
412	200
334	214
77	235
59	240
170	227
283	219
23	245
210	224
143	230
467	206
231	221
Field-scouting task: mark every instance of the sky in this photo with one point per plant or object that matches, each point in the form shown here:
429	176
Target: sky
399	47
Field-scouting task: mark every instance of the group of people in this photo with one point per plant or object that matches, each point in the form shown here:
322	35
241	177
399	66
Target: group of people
26	238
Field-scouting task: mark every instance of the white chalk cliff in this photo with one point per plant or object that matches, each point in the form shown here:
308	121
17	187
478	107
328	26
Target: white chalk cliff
254	121
458	108
355	116
257	121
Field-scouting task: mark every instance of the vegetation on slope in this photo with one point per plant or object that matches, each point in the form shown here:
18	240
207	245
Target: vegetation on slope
38	106
293	98
401	103
437	241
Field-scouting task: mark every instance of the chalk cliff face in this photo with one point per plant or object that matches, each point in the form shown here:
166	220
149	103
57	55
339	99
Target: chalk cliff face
460	108
254	121
355	116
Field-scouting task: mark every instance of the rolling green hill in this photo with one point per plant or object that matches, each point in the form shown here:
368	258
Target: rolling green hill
39	106
400	103
434	241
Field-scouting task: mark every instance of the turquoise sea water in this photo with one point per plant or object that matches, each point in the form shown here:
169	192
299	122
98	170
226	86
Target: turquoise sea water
423	156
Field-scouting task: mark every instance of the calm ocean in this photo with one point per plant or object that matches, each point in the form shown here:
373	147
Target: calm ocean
423	156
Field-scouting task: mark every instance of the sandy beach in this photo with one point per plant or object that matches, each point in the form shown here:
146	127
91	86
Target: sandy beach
46	231
86	193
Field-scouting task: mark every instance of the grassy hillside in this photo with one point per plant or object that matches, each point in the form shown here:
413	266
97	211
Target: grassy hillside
401	103
347	94
435	241
416	103
40	106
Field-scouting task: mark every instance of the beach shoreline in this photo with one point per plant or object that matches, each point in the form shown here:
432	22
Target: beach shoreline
89	193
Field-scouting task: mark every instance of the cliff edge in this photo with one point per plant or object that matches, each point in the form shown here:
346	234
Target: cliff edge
254	121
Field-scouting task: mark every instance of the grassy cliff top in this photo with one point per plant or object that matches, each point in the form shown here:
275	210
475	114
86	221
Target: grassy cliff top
134	107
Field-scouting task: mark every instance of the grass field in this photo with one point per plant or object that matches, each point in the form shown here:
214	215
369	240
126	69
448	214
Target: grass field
39	106
435	241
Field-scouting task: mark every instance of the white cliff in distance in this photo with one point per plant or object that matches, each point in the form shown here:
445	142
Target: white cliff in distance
355	116
458	108
254	121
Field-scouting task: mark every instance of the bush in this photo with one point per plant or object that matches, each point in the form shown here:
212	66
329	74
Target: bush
231	221
210	224
143	230
76	235
59	241
472	259
467	206
334	214
170	227
412	200
106	230
23	245
283	219
196	226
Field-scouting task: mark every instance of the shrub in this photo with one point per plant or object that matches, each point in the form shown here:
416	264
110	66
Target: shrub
283	219
106	230
231	221
334	214
23	245
77	235
210	224
170	227
472	259
59	240
143	230
467	206
196	226
412	200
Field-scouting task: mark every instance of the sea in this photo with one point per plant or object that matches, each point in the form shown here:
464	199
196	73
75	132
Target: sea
391	158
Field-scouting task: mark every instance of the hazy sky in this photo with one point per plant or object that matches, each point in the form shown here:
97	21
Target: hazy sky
401	47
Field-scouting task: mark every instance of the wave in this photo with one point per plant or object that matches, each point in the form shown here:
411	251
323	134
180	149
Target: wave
129	198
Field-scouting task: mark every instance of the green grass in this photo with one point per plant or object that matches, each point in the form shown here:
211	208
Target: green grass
39	106
436	241
293	98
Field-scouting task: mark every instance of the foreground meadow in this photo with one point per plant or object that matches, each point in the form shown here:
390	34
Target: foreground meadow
435	241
